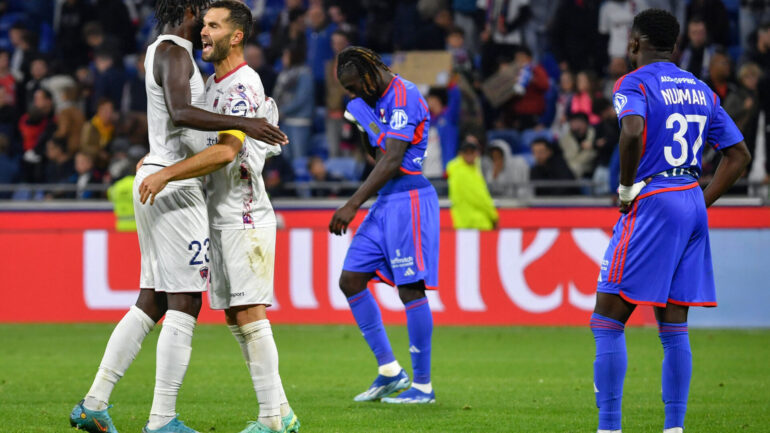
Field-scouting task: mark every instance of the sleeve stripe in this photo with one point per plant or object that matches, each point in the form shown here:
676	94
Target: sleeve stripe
398	135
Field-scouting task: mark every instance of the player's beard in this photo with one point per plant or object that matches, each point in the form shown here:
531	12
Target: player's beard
219	50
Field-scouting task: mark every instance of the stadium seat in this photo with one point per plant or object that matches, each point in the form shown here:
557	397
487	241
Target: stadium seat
318	146
530	135
319	120
299	165
344	167
510	136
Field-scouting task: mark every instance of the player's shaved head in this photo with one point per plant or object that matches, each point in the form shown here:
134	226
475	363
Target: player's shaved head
659	27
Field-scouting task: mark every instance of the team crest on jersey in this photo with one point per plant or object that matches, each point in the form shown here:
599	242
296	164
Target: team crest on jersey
620	102
398	119
204	271
239	108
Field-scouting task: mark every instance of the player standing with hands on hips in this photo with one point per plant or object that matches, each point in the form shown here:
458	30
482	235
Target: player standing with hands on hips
398	240
174	233
659	254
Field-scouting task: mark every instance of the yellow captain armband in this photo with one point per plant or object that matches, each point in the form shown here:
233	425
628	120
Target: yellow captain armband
235	133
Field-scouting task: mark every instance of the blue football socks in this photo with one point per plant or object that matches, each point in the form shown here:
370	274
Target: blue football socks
419	324
609	369
369	320
677	371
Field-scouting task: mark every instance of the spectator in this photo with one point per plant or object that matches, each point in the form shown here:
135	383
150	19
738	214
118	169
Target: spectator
575	35
583	99
336	96
318	173
577	145
714	15
378	28
59	167
461	57
531	86
466	15
276	173
752	14
319	47
109	79
719	76
550	165
697	52
607	136
116	22
71	48
339	17
7	81
617	68
505	174
506	21
615	19
69	121
8	118
36	124
23	50
255	57
294	95
85	176
443	135
100	130
471	205
133	122
433	31
743	105
9	164
38	72
563	100
289	30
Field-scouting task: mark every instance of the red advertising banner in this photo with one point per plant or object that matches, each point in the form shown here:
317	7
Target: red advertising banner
540	267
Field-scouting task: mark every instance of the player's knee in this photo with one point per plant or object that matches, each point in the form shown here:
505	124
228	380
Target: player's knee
189	303
409	294
351	285
152	303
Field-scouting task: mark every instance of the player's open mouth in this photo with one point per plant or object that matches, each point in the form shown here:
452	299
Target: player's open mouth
207	45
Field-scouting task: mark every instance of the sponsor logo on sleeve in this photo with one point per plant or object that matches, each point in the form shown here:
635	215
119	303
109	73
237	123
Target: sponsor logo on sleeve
619	102
239	108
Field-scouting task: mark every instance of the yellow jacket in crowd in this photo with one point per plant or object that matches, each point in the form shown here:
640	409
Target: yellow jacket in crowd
472	206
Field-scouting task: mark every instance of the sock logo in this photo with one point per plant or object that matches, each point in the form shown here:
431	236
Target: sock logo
413	349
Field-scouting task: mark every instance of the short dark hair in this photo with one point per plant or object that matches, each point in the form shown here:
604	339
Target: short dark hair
525	50
578	116
59	142
240	16
659	26
764	26
172	11
297	53
439	93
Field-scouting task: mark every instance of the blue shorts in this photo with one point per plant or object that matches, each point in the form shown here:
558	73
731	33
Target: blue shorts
659	252
398	239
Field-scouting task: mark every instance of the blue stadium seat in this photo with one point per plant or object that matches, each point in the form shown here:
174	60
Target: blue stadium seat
318	146
530	135
301	173
319	120
345	167
510	136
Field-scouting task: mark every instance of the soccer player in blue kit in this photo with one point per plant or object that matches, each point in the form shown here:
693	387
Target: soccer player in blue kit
397	242
659	254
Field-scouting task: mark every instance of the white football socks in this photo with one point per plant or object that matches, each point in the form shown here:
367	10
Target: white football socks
674	430
390	369
424	387
124	344
236	331
263	366
172	359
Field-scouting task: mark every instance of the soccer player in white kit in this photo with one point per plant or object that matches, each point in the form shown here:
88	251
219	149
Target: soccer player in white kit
173	234
240	214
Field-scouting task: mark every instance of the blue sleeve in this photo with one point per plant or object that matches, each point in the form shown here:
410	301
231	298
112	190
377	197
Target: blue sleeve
722	131
365	117
406	120
629	98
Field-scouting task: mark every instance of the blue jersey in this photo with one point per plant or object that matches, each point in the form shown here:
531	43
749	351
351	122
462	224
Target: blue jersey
681	114
400	113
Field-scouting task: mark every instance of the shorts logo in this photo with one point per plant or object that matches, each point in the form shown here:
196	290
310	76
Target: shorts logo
620	102
398	119
239	108
409	272
204	271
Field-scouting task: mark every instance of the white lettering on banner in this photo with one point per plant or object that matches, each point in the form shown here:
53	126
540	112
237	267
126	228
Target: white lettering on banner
338	247
388	297
96	288
467	271
301	269
592	243
512	261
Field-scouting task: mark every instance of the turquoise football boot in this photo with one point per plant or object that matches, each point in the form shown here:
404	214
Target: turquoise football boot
92	421
173	426
290	423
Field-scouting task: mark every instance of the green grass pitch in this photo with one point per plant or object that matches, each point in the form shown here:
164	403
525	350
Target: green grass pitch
486	379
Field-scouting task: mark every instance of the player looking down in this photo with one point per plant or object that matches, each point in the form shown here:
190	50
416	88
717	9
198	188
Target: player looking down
173	234
397	242
659	254
242	221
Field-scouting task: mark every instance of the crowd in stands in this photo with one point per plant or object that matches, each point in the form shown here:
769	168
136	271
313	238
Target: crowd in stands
528	97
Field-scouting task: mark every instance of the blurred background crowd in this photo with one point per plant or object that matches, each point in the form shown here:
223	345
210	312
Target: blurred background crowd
524	97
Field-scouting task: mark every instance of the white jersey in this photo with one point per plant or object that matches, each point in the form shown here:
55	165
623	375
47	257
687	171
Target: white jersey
236	193
170	144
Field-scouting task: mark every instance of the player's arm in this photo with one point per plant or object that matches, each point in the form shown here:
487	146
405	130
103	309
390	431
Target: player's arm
734	161
202	163
631	140
387	166
175	64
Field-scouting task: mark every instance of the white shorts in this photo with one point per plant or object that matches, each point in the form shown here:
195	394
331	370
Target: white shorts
242	267
173	237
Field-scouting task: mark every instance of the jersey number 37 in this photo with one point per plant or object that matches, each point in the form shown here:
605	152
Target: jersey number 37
681	123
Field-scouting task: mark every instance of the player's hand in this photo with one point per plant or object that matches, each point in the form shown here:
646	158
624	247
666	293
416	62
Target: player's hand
262	130
151	186
627	194
139	164
341	218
